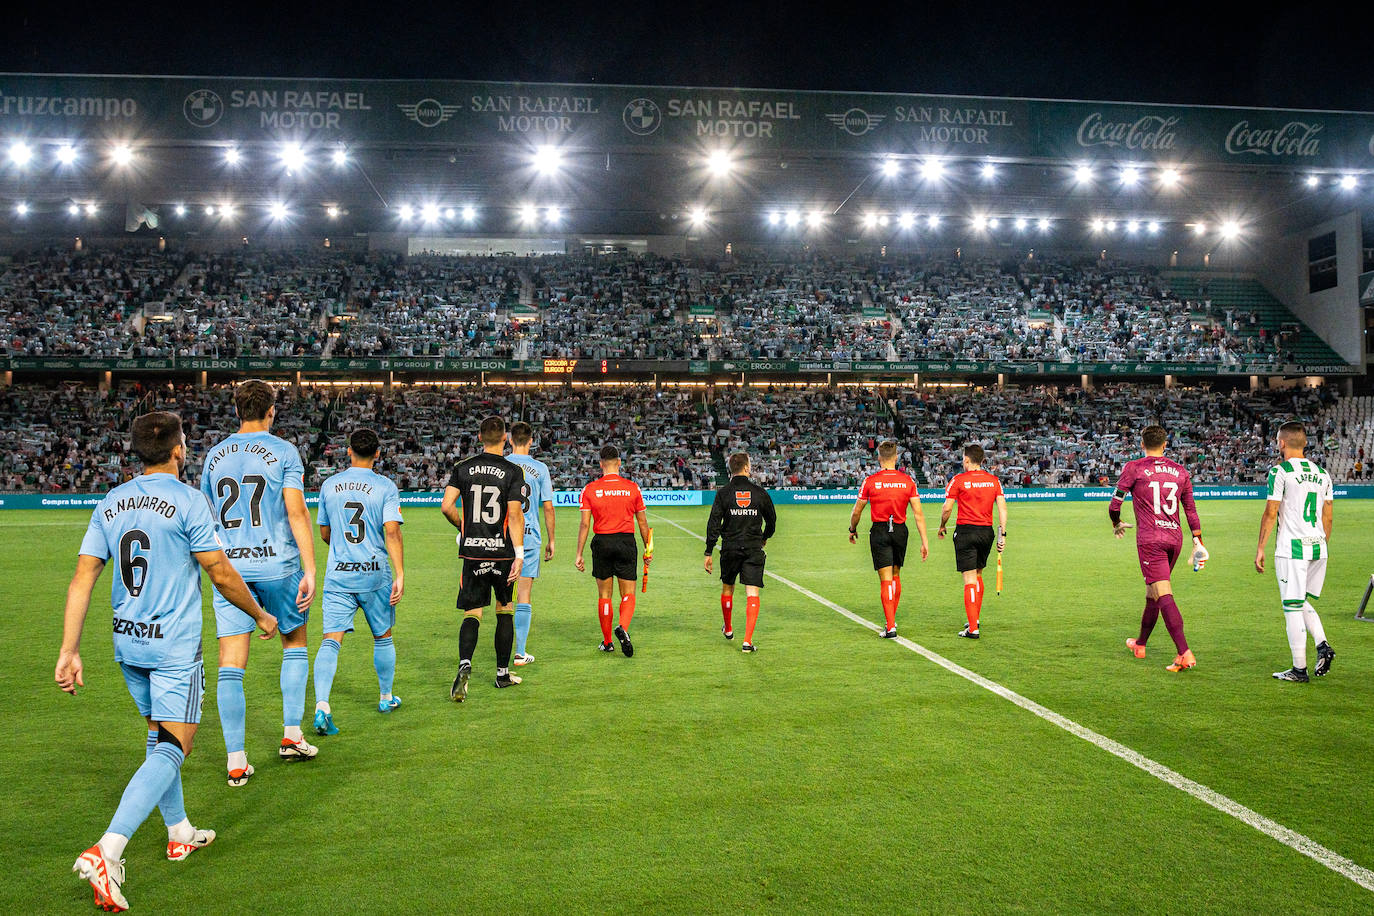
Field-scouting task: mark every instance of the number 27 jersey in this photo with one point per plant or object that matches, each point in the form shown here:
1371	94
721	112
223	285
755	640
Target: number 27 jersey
486	485
243	478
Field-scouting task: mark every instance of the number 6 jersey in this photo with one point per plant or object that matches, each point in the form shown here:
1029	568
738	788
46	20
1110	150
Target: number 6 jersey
1302	489
355	505
487	484
1159	487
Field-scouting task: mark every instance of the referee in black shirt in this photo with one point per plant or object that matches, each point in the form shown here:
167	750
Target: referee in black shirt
743	519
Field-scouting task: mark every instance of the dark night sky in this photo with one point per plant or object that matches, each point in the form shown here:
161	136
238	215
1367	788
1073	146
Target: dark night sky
1295	57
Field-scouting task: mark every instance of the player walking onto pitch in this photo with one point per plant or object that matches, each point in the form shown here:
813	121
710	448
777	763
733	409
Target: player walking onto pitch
1159	487
256	484
611	507
974	492
887	493
538	496
1299	500
364	508
743	519
162	533
491	545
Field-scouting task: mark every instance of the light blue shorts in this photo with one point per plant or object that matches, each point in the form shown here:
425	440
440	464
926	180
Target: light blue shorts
533	551
276	596
172	694
339	607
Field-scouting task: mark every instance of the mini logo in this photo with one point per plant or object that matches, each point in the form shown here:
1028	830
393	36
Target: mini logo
743	498
203	108
429	112
642	117
856	122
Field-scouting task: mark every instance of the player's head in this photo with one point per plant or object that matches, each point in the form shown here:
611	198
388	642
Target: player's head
739	464
1153	439
1292	437
492	432
520	435
610	459
255	401
973	457
363	446
158	440
887	453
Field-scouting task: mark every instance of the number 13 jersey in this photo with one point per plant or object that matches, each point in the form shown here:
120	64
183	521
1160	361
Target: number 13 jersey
1159	487
487	485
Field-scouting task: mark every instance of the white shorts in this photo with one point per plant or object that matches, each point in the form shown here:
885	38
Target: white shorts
1299	580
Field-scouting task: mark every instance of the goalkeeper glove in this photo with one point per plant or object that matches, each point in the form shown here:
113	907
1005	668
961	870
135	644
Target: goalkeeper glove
1200	555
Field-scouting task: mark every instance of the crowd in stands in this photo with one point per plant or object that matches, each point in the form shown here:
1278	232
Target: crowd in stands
72	438
254	302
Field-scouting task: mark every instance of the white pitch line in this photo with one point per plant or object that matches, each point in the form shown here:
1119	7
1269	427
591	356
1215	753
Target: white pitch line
1290	838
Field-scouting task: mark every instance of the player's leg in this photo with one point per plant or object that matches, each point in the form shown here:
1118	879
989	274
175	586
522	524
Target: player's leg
627	613
971	607
1163	591
603	571
235	631
177	698
504	591
524	610
751	615
1292	581
295	663
727	602
337	610
381	618
880	546
140	684
1315	579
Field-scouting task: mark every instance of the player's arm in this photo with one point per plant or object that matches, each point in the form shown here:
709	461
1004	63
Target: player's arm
1268	519
298	516
1185	496
548	526
854	515
1326	518
452	511
584	527
324	533
68	671
396	551
770	517
642	520
945	512
714	524
1123	486
1002	520
919	518
515	525
229	583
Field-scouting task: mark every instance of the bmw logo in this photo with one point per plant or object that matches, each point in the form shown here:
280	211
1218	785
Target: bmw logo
642	117
203	108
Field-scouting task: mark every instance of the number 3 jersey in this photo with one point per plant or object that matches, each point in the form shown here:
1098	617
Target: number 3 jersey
1302	489
244	477
1159	488
355	505
151	527
487	484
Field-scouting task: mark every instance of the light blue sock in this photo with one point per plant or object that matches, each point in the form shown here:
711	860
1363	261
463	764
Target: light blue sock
233	708
148	785
384	660
523	613
172	804
295	671
326	663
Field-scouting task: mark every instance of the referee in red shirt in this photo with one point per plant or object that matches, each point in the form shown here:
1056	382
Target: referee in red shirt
888	493
612	506
974	492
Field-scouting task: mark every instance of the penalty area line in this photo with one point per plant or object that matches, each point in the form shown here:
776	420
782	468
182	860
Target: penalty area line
1331	859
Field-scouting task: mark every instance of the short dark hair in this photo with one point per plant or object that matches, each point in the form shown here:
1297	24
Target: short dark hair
1293	434
155	435
887	448
1154	436
364	443
492	431
252	399
521	433
610	453
974	453
738	462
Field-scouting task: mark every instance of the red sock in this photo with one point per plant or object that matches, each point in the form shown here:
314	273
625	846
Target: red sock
751	617
971	605
727	604
979	606
627	611
603	611
898	580
888	591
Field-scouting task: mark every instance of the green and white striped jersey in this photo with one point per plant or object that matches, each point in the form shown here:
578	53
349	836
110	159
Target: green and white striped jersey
1302	489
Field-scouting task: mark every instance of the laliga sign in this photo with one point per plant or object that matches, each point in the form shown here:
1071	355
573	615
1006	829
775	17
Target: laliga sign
1296	138
1151	132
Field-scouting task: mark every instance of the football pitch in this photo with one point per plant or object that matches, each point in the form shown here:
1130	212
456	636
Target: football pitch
830	772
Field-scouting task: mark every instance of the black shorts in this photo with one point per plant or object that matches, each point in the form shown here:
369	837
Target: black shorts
484	580
745	565
888	547
972	544
615	556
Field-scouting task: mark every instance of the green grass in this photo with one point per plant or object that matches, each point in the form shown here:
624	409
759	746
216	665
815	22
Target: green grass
831	772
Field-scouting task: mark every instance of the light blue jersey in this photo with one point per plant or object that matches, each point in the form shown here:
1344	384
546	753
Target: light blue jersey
538	490
355	504
151	527
244	477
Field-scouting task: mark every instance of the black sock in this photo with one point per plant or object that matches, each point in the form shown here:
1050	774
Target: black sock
505	639
467	638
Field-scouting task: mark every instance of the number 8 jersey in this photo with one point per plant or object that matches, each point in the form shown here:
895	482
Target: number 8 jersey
487	484
1159	487
243	478
1302	489
355	505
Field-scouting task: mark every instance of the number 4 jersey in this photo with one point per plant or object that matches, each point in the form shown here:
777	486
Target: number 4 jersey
1302	489
1159	487
244	477
355	505
487	484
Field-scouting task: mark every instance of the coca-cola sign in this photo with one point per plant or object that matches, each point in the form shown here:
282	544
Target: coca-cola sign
1296	138
1151	132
